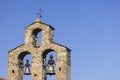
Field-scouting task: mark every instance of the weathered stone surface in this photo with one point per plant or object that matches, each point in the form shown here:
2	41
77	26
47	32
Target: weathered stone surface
39	52
2	79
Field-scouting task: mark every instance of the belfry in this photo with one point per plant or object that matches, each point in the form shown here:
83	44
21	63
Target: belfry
60	68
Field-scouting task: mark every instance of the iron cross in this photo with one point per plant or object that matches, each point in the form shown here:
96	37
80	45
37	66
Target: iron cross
39	13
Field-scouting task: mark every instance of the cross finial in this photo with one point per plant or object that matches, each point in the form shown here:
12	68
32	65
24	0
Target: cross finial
39	13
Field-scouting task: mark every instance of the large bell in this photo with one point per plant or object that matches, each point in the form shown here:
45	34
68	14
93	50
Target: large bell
50	70
27	68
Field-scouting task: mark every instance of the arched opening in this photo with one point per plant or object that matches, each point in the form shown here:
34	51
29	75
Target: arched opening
25	58
37	37
46	57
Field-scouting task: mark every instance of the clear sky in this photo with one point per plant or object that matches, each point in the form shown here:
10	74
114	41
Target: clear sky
90	28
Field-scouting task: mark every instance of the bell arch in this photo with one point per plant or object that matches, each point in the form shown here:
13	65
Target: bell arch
23	54
37	39
45	59
36	27
62	60
21	63
45	52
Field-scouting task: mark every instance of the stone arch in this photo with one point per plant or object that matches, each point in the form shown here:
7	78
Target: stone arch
23	54
32	30
36	37
45	52
21	57
45	55
21	67
36	31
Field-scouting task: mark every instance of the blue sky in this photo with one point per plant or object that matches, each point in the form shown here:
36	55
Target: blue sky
90	28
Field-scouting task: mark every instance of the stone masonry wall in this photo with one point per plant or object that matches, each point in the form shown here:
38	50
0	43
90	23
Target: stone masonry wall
15	59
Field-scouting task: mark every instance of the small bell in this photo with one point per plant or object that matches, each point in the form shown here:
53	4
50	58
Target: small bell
50	70
27	68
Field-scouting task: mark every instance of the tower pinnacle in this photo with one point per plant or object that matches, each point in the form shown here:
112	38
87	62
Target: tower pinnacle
38	20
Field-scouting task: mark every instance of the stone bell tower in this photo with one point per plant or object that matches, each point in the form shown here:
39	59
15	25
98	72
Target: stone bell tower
39	52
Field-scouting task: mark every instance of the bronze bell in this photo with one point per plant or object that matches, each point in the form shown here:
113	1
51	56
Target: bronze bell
50	70
27	68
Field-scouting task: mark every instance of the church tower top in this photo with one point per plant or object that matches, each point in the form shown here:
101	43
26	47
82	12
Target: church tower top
38	20
39	51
